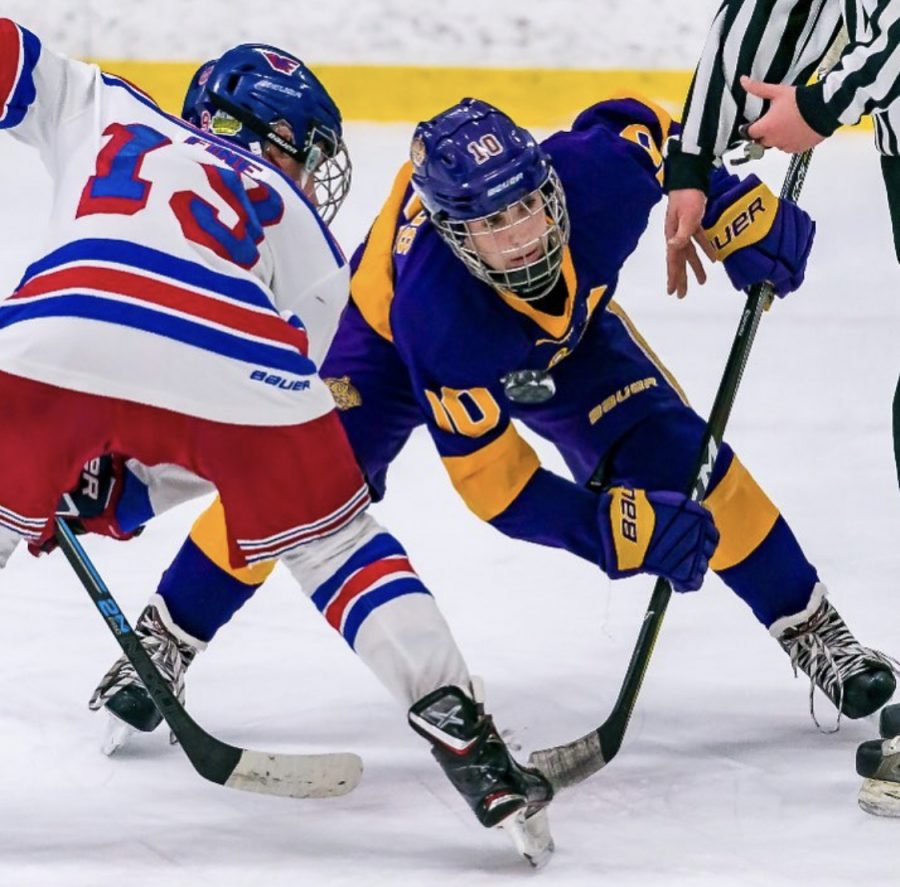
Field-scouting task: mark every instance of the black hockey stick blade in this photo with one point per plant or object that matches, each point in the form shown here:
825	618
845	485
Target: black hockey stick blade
567	765
287	775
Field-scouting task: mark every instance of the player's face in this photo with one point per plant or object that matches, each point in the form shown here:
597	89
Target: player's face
512	238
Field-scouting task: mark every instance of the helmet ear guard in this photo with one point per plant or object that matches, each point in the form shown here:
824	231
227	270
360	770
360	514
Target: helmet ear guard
492	194
251	90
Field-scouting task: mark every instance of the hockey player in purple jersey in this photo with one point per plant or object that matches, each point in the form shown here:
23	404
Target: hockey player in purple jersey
483	294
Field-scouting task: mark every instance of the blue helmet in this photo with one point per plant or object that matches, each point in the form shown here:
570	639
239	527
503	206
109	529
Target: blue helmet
493	195
253	90
189	110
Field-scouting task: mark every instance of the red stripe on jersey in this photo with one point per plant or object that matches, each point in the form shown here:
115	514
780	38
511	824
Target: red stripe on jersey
10	60
167	295
359	582
287	541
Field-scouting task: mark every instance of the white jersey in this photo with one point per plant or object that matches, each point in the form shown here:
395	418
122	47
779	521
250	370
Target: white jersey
177	270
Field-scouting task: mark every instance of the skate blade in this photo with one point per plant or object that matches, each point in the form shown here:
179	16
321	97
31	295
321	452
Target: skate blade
117	735
880	797
531	836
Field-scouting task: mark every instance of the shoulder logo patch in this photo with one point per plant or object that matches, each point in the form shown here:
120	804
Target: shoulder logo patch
345	395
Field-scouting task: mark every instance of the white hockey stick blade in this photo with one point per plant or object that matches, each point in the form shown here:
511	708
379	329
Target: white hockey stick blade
567	765
880	797
116	735
531	836
297	776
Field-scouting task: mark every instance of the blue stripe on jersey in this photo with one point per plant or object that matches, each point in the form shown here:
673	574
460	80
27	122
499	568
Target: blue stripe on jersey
144	258
24	92
111	80
93	307
374	599
383	545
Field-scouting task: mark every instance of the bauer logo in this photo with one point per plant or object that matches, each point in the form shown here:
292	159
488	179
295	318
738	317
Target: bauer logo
738	225
281	382
506	184
620	396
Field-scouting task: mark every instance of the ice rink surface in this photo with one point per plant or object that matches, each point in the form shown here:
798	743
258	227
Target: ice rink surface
723	779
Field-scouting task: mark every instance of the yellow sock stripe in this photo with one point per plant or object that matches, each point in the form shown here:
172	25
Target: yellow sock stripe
210	536
614	308
743	513
490	478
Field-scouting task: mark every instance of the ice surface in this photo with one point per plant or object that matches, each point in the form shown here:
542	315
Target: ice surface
722	778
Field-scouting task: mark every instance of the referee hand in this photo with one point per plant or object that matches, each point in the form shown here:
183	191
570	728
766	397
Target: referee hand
782	126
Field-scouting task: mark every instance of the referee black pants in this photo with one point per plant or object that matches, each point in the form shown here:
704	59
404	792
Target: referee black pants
890	168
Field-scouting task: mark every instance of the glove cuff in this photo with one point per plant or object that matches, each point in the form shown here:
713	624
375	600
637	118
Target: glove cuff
745	220
629	521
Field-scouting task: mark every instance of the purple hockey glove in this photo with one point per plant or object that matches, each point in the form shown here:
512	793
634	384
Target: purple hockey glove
757	236
656	532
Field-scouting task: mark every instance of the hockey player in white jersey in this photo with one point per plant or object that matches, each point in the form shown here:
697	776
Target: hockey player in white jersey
185	290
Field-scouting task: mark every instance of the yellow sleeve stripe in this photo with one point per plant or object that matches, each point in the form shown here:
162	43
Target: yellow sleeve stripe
661	114
210	536
614	308
743	513
747	221
372	286
491	478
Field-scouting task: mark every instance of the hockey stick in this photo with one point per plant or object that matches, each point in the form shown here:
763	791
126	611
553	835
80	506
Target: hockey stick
287	775
567	765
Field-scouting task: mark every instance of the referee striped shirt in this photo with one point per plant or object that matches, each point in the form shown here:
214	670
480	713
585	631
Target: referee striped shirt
783	41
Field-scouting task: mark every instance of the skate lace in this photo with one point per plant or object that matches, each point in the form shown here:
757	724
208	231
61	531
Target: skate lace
170	656
828	653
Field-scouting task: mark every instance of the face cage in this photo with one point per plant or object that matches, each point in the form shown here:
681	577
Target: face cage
327	160
329	163
529	281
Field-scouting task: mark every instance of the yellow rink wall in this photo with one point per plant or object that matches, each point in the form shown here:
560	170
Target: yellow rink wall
542	97
393	93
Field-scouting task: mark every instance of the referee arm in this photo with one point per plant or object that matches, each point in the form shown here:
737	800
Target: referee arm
779	41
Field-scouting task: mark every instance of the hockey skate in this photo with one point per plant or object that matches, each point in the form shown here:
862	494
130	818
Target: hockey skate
121	691
878	760
501	792
857	679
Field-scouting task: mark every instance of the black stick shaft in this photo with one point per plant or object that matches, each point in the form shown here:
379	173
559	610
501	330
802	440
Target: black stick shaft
612	731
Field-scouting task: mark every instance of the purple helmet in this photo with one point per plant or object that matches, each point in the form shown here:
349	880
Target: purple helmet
255	87
493	196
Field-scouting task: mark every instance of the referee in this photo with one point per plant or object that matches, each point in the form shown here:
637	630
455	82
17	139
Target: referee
755	67
765	51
